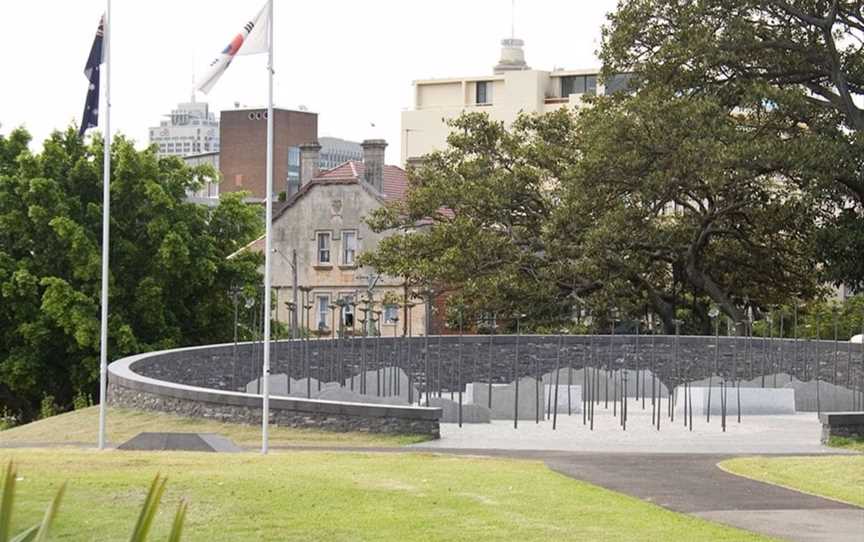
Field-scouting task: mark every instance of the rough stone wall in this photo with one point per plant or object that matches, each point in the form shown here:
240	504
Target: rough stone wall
453	362
122	396
849	424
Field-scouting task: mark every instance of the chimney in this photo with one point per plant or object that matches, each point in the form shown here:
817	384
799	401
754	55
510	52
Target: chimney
310	156
414	163
373	159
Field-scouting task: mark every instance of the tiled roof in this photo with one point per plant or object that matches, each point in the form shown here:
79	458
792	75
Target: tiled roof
395	178
395	183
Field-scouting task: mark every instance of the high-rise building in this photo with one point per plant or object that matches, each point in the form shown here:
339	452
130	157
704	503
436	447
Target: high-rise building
335	152
511	89
243	154
189	129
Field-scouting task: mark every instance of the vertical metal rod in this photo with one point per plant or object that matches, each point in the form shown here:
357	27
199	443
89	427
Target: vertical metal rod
609	364
818	362
795	338
459	366
557	376
716	366
834	377
781	362
516	374
268	242
107	31
491	356
427	384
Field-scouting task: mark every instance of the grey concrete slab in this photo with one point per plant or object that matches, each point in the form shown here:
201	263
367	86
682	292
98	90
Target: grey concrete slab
754	401
471	413
795	433
531	399
182	442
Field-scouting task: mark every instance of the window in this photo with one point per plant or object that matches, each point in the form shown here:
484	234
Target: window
323	305
618	83
578	84
482	94
391	314
349	247
323	247
348	311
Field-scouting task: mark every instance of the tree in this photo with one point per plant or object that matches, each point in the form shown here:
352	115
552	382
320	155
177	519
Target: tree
679	201
638	201
801	61
477	215
169	275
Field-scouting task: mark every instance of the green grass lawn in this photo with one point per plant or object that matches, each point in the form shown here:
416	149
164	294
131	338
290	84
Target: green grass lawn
836	477
338	496
847	443
81	426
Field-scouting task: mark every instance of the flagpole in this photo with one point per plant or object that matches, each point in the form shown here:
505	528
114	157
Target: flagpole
265	407
106	221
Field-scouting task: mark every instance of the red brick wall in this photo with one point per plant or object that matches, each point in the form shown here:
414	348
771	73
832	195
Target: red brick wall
243	147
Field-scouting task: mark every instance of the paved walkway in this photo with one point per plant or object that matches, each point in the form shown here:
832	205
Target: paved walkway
693	484
675	467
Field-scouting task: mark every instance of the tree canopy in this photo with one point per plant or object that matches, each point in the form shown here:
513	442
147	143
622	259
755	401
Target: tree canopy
728	174
169	272
800	61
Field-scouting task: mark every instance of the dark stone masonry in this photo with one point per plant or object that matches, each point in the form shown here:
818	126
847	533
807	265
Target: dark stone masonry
162	380
842	424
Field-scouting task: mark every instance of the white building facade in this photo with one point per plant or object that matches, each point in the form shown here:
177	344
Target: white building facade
189	129
513	88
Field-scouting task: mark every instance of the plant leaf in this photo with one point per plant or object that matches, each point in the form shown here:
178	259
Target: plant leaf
148	511
177	526
6	503
27	536
50	514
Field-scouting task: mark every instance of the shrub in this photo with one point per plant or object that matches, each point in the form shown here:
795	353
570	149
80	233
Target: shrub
81	400
47	407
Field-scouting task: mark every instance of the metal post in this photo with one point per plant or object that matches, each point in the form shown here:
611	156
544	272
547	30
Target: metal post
107	30
459	366
516	373
557	377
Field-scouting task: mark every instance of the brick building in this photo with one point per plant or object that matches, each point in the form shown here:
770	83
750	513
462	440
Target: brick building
243	139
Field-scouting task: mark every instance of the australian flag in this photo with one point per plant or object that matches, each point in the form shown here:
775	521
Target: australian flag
91	71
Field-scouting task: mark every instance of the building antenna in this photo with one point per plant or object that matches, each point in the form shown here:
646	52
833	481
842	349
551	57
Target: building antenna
513	19
193	75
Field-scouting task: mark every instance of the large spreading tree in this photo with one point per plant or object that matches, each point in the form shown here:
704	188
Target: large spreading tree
169	275
800	61
729	173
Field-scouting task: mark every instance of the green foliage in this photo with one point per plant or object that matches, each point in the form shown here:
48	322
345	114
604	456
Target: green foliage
47	407
7	419
848	443
148	513
731	174
477	220
169	273
81	400
797	62
647	203
36	533
817	318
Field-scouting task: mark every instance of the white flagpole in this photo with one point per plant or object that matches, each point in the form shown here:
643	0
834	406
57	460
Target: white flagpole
268	244
106	221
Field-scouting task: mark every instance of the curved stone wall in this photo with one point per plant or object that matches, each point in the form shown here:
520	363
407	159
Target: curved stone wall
196	386
222	374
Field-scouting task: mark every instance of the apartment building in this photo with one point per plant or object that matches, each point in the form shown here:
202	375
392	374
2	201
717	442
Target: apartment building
511	89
